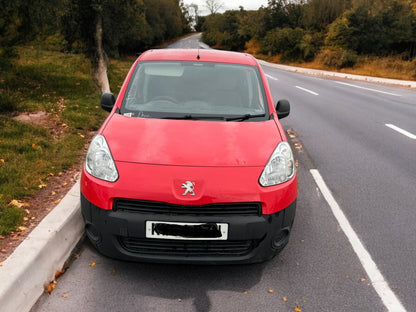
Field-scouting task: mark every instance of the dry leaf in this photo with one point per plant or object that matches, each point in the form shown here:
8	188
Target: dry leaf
59	273
22	228
50	287
93	264
65	184
2	160
65	296
284	299
362	279
179	300
297	309
33	145
42	185
245	292
16	203
3	250
270	291
1	264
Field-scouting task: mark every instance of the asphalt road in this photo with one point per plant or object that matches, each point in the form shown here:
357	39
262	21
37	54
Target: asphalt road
339	130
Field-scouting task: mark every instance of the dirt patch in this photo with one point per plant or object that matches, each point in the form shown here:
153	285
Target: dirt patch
50	121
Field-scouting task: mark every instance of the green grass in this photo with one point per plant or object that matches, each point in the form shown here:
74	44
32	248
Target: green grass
61	85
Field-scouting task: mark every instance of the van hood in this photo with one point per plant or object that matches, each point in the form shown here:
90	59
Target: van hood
190	142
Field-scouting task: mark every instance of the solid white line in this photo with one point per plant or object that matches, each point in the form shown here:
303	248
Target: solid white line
306	90
368	89
271	77
402	131
390	301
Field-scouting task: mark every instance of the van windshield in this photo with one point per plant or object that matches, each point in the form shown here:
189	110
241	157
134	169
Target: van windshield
167	89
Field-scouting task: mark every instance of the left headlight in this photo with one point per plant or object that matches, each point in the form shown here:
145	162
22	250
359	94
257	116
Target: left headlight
280	167
99	162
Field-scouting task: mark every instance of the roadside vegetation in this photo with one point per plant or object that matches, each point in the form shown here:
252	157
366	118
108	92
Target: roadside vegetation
49	109
376	37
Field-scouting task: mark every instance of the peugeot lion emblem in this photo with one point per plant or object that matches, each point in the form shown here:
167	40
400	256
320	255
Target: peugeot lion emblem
189	188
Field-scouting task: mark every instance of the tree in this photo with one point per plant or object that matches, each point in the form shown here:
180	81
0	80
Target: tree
318	14
213	6
375	28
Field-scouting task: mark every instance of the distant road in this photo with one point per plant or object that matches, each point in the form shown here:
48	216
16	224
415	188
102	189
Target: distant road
191	42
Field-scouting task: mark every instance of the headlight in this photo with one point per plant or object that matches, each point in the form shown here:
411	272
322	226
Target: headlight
99	162
280	167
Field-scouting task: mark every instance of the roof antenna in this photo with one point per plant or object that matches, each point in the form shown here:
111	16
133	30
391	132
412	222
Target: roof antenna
198	57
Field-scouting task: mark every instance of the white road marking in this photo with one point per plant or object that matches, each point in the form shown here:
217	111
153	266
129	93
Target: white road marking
368	89
271	77
306	90
402	131
388	297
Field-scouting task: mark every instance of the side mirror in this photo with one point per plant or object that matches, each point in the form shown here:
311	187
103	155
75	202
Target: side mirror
282	108
107	101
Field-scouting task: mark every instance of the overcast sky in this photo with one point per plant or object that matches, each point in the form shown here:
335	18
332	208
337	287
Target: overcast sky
229	5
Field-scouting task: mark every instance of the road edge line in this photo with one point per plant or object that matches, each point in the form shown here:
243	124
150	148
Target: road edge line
380	285
43	252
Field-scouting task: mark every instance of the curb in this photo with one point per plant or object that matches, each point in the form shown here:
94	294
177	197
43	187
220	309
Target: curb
328	74
44	251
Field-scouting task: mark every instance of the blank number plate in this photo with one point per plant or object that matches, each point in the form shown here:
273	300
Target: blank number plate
186	231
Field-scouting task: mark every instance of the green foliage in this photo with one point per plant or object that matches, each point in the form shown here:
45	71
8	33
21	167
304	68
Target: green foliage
223	31
299	30
129	27
318	14
284	41
375	28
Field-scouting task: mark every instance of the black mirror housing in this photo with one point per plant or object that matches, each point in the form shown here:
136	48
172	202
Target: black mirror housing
107	101
282	108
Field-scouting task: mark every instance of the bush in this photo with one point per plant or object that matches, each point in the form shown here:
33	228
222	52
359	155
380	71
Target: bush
284	41
337	58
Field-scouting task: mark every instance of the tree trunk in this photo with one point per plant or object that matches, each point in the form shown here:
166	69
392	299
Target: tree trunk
100	60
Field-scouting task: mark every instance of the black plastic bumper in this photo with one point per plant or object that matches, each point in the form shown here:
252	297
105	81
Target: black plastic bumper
251	238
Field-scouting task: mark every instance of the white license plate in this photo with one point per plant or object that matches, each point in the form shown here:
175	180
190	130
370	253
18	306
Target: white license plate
186	231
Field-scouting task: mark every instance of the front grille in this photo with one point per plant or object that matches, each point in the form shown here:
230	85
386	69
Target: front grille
140	206
187	248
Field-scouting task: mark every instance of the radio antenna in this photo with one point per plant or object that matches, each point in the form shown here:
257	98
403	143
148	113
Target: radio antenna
198	57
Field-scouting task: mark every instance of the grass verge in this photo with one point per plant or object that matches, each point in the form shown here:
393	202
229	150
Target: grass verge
36	146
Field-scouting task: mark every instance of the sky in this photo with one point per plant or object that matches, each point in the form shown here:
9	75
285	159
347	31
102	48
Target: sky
229	5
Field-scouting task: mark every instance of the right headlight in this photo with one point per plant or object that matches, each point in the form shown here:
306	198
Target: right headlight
99	161
280	167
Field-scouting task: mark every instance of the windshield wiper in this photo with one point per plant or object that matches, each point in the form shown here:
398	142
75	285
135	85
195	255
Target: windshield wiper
196	117
193	117
244	117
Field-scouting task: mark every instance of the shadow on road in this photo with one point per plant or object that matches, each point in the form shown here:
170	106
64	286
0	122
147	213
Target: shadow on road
179	282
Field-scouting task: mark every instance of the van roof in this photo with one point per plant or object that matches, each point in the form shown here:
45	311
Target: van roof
201	55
